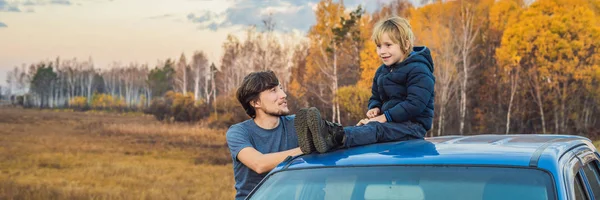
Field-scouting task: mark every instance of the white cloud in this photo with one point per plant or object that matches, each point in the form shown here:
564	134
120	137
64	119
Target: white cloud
280	9
288	15
9	6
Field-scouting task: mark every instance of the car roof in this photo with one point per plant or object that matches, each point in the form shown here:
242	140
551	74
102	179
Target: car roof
505	150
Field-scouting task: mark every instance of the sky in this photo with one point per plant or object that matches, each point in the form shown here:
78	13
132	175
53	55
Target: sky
138	31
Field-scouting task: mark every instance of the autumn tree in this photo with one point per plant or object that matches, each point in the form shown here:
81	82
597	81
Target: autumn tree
160	79
199	67
369	60
297	91
466	34
500	84
41	84
554	43
433	26
229	76
334	53
354	101
181	72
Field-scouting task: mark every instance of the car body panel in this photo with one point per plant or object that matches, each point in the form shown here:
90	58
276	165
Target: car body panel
550	153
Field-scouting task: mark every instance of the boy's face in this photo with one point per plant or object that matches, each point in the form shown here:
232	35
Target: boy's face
272	102
389	51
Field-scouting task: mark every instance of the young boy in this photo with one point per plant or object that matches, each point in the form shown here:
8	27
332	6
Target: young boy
401	105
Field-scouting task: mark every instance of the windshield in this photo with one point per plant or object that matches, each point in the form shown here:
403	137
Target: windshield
408	182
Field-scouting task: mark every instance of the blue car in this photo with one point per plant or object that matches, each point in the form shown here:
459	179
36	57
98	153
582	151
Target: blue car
482	167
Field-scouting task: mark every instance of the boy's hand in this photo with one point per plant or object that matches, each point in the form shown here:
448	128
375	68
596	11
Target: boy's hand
363	122
380	119
373	113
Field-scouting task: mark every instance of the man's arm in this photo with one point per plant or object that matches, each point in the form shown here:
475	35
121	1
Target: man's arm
263	163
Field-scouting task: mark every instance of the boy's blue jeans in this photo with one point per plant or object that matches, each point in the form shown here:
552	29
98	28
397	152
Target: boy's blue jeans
375	132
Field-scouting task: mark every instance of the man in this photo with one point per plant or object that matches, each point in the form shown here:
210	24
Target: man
257	145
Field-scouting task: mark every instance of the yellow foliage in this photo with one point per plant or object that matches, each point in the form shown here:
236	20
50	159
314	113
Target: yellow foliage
296	89
106	101
143	101
369	60
433	29
179	106
320	37
228	112
555	44
78	102
555	39
503	13
354	101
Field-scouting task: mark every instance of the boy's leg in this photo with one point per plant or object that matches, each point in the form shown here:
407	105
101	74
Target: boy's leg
326	135
305	140
375	132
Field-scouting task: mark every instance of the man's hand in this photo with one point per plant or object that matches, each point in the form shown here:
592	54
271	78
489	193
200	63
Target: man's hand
373	113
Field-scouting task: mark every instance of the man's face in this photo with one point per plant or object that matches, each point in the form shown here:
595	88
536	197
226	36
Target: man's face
272	102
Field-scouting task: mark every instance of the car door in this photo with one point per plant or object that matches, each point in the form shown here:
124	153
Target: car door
590	172
574	178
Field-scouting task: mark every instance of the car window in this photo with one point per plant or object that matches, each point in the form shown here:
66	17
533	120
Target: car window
593	177
408	182
579	190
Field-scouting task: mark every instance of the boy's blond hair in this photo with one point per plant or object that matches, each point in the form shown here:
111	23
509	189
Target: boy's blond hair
399	31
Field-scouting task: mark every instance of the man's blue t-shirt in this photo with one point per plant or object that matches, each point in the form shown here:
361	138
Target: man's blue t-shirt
248	134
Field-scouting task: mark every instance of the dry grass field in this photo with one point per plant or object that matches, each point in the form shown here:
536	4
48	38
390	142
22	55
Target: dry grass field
47	154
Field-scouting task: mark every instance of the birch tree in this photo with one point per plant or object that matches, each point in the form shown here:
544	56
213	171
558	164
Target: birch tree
468	33
322	59
199	68
433	25
181	74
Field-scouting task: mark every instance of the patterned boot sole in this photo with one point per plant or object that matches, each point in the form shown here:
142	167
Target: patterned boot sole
304	136
314	121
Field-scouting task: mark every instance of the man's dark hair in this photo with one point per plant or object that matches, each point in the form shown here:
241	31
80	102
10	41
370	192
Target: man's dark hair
252	86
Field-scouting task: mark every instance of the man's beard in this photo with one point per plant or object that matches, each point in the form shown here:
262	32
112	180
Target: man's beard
278	113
